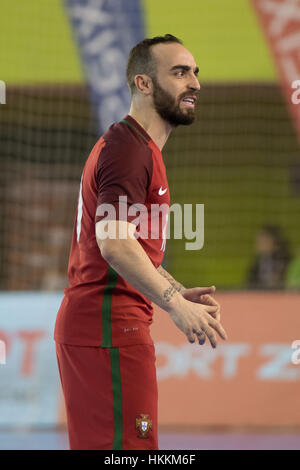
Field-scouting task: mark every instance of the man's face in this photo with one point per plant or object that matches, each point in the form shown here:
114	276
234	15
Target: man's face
176	86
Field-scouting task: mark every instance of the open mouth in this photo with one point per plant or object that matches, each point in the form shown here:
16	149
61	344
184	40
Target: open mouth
189	101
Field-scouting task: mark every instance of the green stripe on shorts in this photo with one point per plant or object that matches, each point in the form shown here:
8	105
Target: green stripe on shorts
117	398
106	308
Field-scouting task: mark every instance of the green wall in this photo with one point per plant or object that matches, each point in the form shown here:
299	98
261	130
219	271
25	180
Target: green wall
36	43
224	36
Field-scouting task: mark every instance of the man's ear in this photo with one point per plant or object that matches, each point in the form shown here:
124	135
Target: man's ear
143	84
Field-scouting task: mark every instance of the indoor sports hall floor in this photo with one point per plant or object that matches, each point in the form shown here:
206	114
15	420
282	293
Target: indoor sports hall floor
54	440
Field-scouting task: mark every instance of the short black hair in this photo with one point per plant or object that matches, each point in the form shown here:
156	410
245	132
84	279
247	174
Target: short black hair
141	59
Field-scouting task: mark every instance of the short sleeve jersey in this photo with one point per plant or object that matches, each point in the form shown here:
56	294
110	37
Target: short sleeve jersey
124	178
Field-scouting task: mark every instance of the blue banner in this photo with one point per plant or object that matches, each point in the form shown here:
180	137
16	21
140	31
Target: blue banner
105	31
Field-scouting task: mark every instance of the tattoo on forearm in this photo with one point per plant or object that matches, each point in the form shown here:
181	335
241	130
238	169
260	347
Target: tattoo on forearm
169	293
179	287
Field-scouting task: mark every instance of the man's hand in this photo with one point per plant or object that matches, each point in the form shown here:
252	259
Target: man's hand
196	320
202	295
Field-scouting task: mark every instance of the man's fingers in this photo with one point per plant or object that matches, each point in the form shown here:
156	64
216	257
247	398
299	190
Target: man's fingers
214	311
207	300
218	328
201	336
190	337
211	336
211	308
216	315
205	290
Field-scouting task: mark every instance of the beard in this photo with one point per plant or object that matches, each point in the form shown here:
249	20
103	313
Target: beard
169	109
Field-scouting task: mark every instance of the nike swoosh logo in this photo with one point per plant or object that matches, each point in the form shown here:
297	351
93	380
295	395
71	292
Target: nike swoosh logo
162	191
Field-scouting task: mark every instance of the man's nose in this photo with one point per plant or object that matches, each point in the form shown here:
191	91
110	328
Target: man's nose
194	84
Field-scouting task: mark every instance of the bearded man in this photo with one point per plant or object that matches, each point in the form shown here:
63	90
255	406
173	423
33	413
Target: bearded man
105	353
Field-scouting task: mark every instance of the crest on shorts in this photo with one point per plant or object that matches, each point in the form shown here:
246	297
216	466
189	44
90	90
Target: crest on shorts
144	425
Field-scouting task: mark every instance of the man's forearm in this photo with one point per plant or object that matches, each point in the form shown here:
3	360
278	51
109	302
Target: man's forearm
179	287
129	259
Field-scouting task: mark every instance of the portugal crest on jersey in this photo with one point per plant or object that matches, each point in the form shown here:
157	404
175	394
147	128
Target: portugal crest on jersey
144	425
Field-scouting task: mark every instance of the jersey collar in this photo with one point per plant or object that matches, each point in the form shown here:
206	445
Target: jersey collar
129	121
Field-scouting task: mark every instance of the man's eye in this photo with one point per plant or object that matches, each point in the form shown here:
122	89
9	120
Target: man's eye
180	74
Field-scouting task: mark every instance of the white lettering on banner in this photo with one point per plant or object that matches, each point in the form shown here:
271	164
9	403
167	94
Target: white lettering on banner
295	359
282	12
179	361
289	43
105	39
90	17
289	67
111	104
283	30
183	359
279	368
282	15
105	36
113	61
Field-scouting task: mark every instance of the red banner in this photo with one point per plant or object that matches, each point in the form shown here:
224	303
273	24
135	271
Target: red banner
280	20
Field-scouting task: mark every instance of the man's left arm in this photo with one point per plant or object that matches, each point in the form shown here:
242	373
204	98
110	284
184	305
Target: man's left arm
179	287
201	295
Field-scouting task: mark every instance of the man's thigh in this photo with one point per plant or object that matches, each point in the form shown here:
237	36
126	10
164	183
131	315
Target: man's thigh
110	396
139	396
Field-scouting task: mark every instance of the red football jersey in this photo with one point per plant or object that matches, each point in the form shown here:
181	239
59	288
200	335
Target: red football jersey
125	169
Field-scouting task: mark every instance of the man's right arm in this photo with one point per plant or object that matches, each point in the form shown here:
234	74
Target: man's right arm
127	257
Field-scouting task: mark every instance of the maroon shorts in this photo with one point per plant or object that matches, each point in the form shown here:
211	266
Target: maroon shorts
110	396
